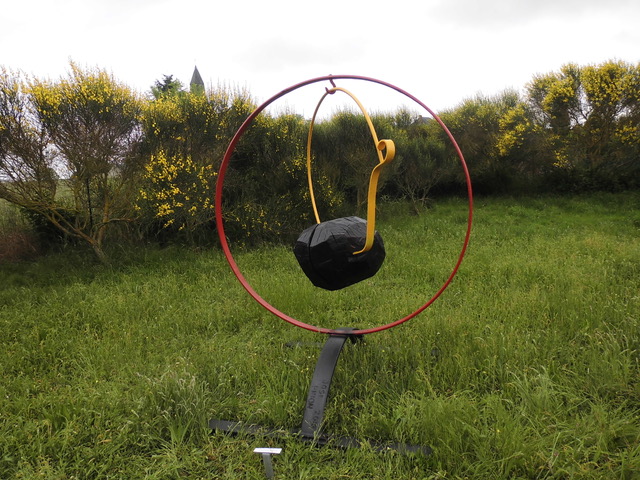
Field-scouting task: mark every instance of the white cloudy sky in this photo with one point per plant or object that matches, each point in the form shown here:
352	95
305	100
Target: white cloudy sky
441	51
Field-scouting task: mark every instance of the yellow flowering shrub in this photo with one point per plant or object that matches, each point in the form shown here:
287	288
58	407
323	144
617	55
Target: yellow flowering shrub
185	136
515	126
92	95
176	192
80	132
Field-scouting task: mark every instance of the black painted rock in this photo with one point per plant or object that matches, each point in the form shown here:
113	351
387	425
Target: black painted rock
325	253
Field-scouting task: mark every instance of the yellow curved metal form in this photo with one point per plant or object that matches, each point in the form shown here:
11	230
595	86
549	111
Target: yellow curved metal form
387	146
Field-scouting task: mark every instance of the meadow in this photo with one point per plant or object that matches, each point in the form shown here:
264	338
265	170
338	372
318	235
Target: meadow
528	365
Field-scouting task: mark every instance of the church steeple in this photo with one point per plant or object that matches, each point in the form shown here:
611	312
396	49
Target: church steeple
197	84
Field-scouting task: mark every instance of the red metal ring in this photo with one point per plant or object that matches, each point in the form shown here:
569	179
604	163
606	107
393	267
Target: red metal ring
220	223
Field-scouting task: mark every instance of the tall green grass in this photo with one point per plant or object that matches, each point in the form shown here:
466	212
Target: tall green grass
528	366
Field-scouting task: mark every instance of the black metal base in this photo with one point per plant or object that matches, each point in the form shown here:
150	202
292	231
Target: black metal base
315	406
321	382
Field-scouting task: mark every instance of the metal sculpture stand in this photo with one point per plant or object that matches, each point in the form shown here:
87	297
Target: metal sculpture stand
316	403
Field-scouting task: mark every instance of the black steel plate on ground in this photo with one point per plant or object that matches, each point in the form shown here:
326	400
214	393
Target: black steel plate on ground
315	405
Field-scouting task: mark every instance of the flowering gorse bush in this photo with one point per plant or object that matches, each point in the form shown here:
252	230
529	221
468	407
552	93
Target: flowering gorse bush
176	192
82	133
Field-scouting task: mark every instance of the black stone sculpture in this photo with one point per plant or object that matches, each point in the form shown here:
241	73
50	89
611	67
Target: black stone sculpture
325	251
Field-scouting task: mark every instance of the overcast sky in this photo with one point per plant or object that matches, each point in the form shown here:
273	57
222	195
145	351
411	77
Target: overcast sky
441	51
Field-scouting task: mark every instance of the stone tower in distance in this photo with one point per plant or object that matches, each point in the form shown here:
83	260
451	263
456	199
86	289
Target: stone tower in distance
197	84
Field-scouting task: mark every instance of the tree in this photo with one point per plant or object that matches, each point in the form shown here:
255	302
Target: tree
475	124
84	129
420	158
167	86
27	174
523	148
345	152
591	116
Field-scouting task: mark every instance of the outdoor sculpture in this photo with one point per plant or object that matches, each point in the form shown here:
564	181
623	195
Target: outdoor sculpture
334	254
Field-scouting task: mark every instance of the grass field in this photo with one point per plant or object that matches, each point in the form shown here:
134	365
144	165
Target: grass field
528	366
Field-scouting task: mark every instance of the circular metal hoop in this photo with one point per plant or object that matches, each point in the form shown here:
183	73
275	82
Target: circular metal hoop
220	223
